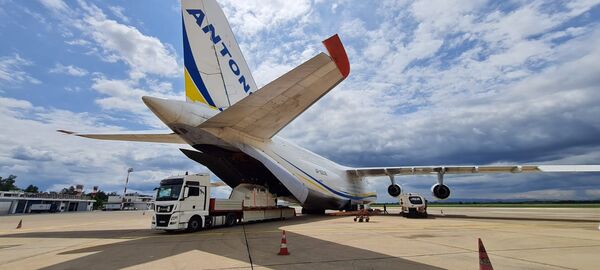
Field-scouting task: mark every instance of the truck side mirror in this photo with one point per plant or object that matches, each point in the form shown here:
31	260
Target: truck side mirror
186	192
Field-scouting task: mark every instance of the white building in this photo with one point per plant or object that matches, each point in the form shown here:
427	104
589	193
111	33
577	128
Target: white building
19	202
132	201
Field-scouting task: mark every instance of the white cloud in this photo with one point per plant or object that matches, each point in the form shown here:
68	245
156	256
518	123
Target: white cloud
119	13
55	5
79	42
144	54
45	156
432	82
149	61
68	70
354	28
116	41
250	17
125	96
470	90
7	104
11	71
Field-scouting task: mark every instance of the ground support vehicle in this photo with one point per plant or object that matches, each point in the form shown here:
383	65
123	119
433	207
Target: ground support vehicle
413	205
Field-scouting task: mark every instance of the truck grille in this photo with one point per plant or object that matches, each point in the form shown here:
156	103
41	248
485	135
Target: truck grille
162	220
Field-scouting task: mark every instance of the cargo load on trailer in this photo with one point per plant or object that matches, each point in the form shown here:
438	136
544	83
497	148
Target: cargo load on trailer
184	203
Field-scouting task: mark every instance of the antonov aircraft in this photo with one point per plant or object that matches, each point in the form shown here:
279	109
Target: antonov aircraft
233	125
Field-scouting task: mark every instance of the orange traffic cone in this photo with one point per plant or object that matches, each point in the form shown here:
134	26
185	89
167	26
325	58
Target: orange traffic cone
283	250
484	260
20	224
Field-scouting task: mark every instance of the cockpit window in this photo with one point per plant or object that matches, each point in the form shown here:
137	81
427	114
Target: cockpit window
415	200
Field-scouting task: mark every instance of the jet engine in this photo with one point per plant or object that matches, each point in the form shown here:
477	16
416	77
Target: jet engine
440	191
394	190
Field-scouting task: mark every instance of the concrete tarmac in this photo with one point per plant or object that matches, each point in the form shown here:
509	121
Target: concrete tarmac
515	238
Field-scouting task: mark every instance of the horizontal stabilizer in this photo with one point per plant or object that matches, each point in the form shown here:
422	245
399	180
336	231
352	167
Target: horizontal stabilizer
274	106
156	138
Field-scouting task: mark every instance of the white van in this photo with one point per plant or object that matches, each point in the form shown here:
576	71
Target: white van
413	205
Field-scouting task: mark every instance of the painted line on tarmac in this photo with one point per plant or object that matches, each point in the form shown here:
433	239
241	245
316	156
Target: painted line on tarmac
52	227
493	252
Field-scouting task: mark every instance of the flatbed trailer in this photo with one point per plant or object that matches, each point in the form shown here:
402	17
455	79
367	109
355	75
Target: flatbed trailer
182	204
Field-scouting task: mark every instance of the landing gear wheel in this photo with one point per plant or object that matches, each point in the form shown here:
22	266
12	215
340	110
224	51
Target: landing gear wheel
194	224
230	220
354	219
360	220
208	222
367	219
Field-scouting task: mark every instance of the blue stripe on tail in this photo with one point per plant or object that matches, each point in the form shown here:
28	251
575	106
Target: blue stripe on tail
190	65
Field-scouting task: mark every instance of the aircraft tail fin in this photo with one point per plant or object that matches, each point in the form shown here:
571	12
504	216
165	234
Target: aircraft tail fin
215	70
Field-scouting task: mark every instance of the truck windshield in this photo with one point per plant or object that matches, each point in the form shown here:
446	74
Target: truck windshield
415	200
168	192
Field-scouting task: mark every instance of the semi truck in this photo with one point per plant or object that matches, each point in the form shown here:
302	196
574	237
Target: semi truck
184	203
413	205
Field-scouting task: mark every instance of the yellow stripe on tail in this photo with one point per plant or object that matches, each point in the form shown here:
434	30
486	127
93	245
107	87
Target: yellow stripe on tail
191	91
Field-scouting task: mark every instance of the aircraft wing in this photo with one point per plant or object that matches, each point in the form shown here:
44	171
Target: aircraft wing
156	138
424	170
266	111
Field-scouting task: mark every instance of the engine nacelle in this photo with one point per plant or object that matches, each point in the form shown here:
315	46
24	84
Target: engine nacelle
440	191
394	190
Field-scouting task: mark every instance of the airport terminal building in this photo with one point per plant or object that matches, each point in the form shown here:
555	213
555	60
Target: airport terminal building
19	202
132	201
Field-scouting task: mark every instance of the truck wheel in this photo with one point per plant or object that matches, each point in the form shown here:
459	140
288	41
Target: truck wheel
194	224
230	220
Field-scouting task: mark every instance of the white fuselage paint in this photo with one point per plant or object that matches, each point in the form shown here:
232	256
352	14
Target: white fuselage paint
312	179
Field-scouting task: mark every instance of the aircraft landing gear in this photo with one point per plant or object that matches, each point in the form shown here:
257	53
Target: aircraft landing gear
362	215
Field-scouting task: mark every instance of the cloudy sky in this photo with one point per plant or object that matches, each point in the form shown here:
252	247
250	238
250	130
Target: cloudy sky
432	82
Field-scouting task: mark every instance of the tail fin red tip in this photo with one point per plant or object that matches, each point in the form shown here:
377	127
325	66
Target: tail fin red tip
338	54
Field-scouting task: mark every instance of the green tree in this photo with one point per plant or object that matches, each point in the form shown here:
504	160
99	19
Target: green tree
100	198
8	184
32	189
69	191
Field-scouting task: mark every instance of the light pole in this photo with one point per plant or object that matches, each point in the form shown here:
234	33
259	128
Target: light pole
125	191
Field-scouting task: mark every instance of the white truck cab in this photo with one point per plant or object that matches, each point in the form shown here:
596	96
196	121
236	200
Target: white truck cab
183	203
181	200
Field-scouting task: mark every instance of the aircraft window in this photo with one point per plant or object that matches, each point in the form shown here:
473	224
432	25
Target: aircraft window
194	191
415	200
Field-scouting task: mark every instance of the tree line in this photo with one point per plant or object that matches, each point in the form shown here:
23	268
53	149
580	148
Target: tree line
8	184
100	197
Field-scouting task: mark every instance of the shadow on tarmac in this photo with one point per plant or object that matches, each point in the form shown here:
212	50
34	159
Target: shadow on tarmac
517	218
263	240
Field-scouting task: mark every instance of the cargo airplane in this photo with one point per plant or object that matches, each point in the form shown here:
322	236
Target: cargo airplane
232	125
